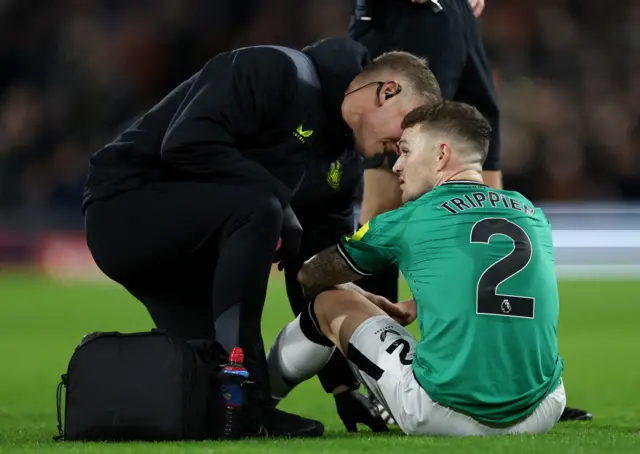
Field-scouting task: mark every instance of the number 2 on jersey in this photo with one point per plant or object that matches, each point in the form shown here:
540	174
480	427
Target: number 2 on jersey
487	300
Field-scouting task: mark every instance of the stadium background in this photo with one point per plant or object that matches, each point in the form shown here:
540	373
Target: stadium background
73	71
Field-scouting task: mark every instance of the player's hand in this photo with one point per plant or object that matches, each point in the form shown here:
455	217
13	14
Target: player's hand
291	238
477	6
394	311
354	408
410	309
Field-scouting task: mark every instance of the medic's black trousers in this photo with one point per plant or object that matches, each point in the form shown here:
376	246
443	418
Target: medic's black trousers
197	255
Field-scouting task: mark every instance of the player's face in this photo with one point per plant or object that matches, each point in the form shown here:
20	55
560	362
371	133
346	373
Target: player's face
417	167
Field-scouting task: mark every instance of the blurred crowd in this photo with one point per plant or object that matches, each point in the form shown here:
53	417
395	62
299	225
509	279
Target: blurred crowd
73	71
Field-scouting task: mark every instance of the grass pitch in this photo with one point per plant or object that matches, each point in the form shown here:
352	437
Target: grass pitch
42	322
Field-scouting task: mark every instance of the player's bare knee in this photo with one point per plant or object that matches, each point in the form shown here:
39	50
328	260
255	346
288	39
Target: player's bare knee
327	307
323	308
331	304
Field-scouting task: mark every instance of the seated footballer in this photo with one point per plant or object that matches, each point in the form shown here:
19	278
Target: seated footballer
480	265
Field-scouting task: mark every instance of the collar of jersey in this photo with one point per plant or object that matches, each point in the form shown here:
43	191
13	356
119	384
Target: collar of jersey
476	183
428	194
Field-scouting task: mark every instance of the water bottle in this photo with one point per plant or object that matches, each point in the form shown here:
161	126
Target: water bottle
232	379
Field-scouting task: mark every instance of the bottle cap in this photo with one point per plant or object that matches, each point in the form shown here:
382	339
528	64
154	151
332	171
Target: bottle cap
237	355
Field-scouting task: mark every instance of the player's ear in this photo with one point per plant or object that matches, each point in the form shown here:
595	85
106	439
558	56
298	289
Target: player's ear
444	155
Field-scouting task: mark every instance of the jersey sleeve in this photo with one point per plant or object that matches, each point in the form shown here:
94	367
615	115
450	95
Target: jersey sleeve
376	245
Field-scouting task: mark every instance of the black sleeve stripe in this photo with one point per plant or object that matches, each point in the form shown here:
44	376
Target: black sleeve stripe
352	264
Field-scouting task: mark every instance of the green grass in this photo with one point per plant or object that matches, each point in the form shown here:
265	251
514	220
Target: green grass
42	322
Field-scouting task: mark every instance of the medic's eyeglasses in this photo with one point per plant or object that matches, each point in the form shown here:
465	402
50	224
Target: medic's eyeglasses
380	85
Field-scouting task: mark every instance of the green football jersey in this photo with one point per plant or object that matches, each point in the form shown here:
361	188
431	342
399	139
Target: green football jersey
480	265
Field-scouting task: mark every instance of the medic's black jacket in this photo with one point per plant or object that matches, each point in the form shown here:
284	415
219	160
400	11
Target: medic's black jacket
250	116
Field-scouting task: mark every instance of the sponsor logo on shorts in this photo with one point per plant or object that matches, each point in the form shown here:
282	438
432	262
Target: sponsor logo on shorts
382	333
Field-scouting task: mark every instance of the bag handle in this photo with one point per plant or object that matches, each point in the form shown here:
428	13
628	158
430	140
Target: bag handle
62	383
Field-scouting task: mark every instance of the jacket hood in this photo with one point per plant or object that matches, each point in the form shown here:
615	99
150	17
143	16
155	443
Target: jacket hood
338	61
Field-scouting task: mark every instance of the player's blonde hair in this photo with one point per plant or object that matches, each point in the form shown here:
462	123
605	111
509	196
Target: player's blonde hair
462	121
